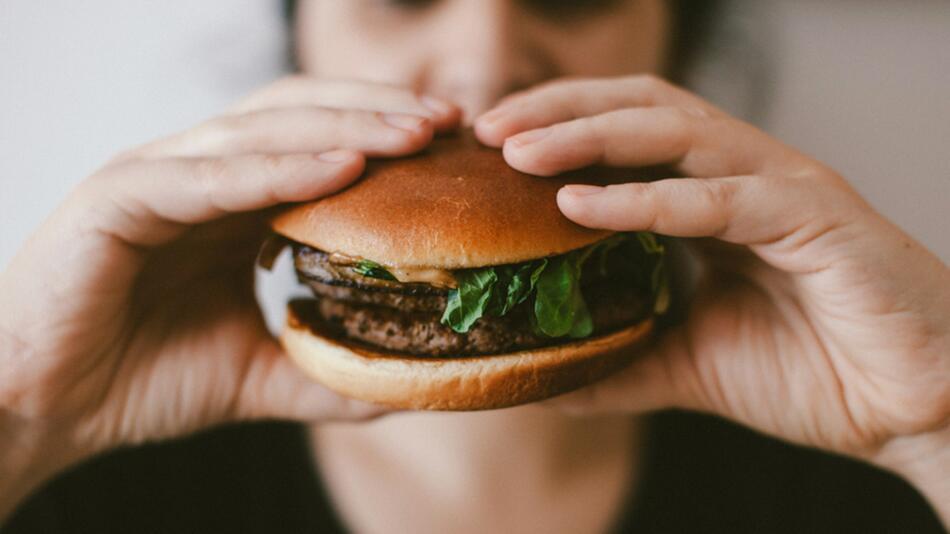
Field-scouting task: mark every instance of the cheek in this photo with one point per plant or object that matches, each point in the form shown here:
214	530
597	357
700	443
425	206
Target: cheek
633	41
336	40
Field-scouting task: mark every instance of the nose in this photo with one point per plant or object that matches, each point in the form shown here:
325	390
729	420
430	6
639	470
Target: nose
484	57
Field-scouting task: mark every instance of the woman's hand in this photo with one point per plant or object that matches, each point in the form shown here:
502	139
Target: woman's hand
816	319
130	315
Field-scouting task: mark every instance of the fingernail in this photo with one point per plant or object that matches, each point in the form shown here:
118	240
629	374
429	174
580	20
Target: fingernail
583	190
530	137
403	122
336	156
434	104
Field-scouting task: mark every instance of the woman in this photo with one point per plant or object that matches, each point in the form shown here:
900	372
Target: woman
817	321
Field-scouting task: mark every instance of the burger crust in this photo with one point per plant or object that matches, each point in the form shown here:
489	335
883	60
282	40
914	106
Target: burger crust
456	384
456	205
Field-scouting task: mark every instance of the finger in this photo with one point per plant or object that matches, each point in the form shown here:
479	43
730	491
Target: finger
689	366
653	381
566	100
301	91
275	388
147	203
785	213
298	131
695	143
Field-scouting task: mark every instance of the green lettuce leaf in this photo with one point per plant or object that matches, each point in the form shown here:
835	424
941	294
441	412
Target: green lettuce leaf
559	308
659	277
497	300
512	285
650	244
521	284
583	322
470	300
603	249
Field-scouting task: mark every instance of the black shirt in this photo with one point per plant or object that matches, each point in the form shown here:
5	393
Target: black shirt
701	474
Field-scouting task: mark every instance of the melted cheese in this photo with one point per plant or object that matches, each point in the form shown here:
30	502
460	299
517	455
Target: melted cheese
337	258
433	277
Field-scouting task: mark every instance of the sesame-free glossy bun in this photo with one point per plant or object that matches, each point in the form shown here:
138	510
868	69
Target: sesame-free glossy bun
469	383
455	205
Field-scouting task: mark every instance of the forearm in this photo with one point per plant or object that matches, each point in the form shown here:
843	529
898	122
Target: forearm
924	461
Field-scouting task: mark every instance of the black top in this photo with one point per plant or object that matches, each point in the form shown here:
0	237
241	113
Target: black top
701	475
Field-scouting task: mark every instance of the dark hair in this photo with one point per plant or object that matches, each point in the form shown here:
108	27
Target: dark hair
691	24
290	10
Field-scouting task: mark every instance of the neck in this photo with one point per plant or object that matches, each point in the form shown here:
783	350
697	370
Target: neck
519	470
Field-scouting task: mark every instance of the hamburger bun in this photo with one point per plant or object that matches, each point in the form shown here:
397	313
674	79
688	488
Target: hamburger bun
421	219
456	205
468	383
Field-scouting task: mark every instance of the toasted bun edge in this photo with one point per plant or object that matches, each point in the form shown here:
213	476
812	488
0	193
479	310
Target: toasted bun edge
458	384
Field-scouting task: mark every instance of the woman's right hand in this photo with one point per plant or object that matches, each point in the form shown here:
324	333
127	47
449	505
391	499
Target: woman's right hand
129	315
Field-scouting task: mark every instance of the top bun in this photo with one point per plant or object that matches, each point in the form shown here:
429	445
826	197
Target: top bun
455	205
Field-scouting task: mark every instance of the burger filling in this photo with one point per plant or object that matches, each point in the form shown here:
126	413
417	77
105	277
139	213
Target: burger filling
434	312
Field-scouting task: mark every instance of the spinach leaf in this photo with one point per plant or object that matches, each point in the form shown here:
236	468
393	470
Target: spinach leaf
659	277
497	300
515	285
583	322
662	291
373	270
649	242
559	306
604	248
470	300
522	283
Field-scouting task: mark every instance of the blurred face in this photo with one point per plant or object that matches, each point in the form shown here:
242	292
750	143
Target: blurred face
476	51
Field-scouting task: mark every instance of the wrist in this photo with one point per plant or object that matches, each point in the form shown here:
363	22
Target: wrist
28	458
31	450
924	461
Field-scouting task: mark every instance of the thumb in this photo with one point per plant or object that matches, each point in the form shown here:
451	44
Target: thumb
274	388
656	379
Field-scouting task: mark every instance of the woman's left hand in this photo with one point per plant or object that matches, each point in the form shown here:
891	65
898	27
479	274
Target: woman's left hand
817	320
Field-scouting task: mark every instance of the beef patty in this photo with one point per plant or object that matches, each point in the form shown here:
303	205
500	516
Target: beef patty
405	318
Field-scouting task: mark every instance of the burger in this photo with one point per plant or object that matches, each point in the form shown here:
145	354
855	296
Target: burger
450	281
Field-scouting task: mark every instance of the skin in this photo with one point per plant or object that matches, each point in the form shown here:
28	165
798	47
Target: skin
817	320
486	49
808	295
132	344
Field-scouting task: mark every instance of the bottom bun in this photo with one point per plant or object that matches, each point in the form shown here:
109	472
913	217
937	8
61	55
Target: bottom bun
457	384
